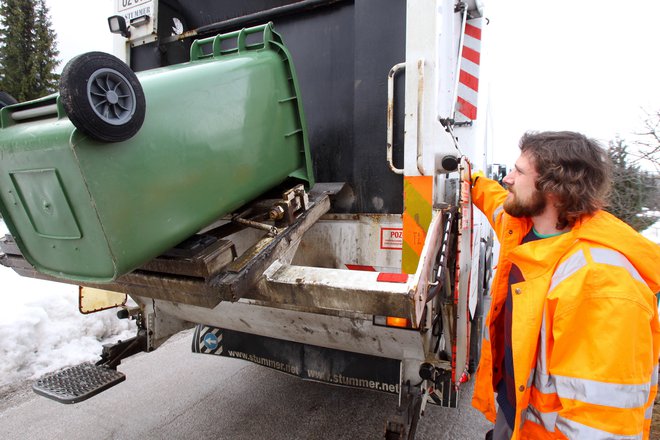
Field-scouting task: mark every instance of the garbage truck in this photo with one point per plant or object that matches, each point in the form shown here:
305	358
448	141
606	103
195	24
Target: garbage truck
285	177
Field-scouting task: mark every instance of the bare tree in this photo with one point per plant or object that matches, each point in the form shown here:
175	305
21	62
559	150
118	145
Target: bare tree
648	142
634	195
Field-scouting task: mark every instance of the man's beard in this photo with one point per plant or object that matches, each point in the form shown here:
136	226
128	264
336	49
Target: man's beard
533	207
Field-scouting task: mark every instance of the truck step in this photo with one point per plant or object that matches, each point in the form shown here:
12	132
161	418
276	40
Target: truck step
75	384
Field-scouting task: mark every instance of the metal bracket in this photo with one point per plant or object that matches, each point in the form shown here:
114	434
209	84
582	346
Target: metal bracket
245	272
293	203
112	354
441	390
283	212
403	424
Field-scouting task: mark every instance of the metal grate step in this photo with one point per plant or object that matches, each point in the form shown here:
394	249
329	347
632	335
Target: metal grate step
75	384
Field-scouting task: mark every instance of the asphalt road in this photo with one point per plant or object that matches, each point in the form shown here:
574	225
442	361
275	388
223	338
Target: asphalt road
175	394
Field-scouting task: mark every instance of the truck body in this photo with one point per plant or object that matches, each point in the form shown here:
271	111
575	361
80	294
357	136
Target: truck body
376	276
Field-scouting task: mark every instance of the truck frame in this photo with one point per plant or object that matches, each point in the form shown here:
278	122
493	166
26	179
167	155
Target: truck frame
374	278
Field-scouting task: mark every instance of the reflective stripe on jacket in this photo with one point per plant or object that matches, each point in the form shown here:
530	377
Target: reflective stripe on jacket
585	334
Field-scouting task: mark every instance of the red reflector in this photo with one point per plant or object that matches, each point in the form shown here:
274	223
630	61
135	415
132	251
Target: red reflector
392	321
360	267
392	277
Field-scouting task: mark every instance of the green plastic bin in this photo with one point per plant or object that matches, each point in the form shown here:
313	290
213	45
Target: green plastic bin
218	132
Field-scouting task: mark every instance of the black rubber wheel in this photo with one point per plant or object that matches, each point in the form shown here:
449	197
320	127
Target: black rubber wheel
6	99
102	97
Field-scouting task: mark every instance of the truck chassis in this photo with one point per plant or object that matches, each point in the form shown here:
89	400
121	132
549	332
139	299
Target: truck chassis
236	281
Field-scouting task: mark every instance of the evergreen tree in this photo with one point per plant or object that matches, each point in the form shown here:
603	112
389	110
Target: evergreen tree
634	191
28	50
45	45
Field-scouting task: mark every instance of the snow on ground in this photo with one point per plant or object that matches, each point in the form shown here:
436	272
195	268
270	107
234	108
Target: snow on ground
653	232
41	329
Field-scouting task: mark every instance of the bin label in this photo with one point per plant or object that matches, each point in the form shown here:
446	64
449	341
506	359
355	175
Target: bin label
391	238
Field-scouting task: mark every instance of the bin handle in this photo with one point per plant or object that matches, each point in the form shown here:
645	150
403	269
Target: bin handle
197	52
390	115
420	108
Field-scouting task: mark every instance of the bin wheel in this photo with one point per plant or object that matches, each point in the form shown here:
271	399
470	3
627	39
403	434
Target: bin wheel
6	99
102	97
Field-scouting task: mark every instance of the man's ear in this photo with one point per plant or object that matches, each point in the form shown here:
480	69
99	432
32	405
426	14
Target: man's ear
552	198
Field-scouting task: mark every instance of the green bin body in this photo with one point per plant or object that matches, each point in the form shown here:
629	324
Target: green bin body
218	132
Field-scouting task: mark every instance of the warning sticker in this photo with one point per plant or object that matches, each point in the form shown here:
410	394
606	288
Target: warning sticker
391	238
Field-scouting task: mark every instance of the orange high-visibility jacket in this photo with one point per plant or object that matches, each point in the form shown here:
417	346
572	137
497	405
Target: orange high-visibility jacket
585	336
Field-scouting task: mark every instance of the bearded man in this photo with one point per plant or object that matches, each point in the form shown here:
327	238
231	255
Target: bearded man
572	338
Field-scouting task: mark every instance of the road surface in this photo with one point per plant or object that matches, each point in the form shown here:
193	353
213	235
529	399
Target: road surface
175	394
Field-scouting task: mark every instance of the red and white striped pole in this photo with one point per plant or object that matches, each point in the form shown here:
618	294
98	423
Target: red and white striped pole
468	82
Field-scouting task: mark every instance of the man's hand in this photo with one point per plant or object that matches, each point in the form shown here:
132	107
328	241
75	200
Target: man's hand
476	175
466	185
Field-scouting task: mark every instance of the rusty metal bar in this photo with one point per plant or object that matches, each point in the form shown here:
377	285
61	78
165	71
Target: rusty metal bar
390	115
420	109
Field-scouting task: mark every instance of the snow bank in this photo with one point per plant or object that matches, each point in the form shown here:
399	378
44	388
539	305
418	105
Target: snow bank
41	329
653	232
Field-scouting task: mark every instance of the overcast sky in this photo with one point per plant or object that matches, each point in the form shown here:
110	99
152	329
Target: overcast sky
587	65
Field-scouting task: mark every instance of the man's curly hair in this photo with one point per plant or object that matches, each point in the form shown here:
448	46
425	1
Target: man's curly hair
576	169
